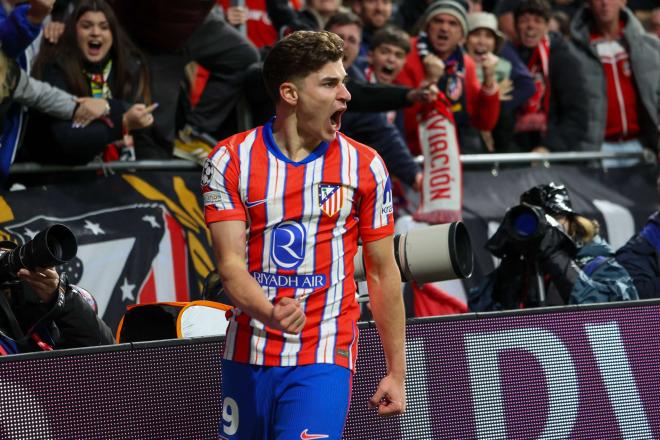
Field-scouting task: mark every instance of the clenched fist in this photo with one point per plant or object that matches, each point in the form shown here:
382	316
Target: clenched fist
288	316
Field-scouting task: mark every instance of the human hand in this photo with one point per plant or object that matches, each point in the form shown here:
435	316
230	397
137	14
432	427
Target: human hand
419	181
488	65
43	280
434	68
88	110
288	316
506	89
139	116
390	397
53	31
39	10
425	93
236	15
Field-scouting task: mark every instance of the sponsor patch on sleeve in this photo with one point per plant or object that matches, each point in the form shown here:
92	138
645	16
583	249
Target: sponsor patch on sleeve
218	198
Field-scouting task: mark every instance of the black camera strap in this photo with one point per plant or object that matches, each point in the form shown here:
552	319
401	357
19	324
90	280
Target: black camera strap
19	336
15	329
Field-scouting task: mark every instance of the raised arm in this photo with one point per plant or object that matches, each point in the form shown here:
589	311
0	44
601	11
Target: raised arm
384	285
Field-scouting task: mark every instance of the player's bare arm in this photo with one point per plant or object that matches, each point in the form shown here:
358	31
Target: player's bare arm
384	283
229	244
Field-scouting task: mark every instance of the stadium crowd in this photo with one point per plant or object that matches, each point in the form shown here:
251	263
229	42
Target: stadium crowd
119	80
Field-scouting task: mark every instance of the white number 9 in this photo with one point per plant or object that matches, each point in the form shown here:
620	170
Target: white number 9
229	416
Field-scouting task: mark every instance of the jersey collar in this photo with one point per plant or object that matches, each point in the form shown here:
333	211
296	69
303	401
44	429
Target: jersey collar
272	146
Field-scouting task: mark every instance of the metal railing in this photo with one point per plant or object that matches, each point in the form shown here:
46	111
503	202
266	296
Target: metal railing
466	159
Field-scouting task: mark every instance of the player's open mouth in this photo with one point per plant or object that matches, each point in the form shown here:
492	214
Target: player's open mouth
335	118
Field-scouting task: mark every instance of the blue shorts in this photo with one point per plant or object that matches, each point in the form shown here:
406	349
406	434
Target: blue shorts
284	403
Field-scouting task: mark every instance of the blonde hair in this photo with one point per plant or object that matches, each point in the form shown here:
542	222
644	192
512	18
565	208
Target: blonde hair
582	230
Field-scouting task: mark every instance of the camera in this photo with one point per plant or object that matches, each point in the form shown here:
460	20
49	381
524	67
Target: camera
433	253
50	247
522	231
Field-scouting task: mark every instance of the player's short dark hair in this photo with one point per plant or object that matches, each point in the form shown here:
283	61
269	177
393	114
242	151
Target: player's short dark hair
536	7
391	35
297	55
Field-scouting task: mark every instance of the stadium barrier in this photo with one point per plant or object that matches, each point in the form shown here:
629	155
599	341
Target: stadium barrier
467	160
142	236
580	372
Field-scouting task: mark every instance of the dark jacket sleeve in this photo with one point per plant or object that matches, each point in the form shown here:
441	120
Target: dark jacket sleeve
68	320
285	19
642	262
79	326
372	129
569	110
523	84
367	97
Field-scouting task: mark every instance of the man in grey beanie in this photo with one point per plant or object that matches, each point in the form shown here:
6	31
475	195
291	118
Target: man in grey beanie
437	57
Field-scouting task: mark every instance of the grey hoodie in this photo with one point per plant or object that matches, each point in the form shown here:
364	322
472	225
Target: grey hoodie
42	96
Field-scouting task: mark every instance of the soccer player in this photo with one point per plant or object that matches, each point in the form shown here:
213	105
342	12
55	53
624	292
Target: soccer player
286	204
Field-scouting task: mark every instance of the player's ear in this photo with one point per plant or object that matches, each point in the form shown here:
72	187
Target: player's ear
289	93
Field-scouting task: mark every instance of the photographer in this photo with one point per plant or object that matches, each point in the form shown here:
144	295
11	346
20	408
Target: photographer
41	311
550	255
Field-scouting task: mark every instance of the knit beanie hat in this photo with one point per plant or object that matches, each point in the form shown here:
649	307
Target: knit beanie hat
455	8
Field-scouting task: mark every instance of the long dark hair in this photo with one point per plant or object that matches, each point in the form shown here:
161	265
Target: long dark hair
68	56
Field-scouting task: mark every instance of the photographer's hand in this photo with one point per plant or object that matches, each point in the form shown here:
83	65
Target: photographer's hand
43	280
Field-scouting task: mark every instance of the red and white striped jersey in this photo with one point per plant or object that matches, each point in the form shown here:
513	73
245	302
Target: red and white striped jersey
303	223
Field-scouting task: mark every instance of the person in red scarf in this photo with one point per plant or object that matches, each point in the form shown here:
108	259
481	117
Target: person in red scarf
553	119
437	57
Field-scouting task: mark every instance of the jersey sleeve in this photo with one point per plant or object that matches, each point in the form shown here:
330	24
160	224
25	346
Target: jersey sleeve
220	190
376	217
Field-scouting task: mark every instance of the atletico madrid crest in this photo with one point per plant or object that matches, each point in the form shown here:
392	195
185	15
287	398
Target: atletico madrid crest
331	198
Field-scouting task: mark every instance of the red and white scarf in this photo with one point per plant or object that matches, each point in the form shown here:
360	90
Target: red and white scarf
442	187
533	115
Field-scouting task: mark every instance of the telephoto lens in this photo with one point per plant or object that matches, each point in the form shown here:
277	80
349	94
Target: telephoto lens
434	253
50	247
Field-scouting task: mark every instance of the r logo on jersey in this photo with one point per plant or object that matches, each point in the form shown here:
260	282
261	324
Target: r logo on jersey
331	198
288	245
387	198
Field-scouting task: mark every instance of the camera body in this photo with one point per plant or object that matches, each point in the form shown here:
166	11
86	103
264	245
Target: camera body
523	231
50	247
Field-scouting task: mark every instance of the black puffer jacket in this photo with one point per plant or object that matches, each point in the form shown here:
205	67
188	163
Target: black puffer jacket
69	321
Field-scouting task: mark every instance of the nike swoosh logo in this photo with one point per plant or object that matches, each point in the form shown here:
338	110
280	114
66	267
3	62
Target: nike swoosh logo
255	203
305	436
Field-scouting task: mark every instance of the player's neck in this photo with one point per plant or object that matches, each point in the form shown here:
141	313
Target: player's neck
292	141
